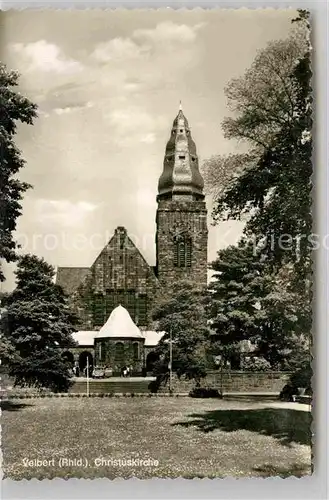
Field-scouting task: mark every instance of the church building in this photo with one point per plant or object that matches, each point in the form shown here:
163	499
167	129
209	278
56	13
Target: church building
121	280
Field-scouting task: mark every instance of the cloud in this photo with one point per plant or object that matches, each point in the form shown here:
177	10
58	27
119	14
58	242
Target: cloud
122	49
43	113
118	49
148	138
112	73
136	63
44	56
134	124
72	108
169	32
63	212
107	85
129	119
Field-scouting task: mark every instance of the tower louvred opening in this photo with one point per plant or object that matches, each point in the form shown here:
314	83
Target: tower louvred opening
183	251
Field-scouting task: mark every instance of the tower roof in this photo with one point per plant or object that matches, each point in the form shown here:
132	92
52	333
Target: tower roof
180	168
119	325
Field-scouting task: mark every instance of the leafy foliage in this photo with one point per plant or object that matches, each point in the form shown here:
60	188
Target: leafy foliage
13	108
286	335
273	106
250	302
184	315
262	102
302	377
236	290
264	98
219	172
38	323
256	364
205	392
271	192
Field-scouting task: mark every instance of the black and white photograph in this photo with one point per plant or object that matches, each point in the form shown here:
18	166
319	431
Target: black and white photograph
156	243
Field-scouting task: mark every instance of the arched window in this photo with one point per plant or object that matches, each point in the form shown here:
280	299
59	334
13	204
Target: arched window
135	351
119	353
105	271
142	310
183	251
188	252
122	241
120	298
131	303
99	310
110	301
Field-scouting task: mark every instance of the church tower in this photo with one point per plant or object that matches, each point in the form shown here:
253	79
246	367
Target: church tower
181	220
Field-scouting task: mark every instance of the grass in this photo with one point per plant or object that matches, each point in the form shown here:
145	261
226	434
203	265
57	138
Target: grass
188	437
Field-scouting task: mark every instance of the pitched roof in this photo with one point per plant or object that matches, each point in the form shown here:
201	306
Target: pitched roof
152	338
119	324
84	338
69	278
121	232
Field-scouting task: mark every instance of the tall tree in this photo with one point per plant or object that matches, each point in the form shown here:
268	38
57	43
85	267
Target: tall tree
260	101
250	302
13	108
183	317
285	334
39	323
272	103
237	288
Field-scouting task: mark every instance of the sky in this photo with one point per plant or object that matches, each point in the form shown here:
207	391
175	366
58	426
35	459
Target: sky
108	86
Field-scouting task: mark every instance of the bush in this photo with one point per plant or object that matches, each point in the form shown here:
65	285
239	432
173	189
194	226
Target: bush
301	378
256	364
287	393
155	385
205	392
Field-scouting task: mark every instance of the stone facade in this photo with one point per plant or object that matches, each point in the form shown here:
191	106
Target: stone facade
181	241
119	352
181	220
246	383
120	275
234	381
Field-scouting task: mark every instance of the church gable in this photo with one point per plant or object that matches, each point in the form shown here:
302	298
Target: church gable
119	276
69	278
121	265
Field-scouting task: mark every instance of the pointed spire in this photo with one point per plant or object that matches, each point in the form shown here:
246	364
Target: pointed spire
119	324
181	174
180	106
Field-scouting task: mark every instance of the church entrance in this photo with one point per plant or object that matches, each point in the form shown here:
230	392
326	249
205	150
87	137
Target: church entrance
83	363
151	359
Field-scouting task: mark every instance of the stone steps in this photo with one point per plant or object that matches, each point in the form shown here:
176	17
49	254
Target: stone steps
104	387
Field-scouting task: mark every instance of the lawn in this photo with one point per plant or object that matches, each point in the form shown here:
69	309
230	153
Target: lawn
188	437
